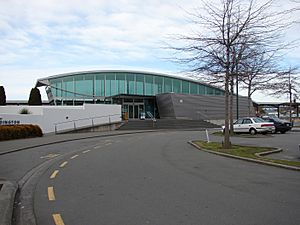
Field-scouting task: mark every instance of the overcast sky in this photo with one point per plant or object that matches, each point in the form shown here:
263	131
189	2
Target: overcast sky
39	38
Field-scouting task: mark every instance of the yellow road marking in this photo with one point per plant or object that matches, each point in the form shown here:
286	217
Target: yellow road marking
108	144
57	219
74	156
63	164
97	147
50	156
53	175
51	195
86	151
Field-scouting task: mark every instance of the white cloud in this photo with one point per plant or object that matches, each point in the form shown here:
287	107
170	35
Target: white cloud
41	37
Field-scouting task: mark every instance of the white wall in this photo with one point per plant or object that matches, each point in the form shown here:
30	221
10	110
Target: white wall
62	116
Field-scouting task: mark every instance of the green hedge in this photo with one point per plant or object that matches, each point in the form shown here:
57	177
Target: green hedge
9	132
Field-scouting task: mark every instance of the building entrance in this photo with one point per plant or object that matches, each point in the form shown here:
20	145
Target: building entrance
134	110
133	106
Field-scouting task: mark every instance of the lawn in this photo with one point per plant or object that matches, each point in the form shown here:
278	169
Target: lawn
244	151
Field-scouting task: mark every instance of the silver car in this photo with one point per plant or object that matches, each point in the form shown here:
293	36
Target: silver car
252	125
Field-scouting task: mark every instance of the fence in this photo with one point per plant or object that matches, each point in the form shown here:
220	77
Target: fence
86	122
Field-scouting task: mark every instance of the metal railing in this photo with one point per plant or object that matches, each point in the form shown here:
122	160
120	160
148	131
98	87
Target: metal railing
152	118
91	122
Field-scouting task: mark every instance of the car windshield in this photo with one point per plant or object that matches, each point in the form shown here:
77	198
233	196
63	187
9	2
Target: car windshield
271	119
275	119
258	120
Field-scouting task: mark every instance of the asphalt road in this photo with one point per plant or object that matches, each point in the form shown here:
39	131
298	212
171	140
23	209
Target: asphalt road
150	178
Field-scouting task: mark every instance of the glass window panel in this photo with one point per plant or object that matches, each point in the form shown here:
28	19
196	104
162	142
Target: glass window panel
176	86
120	83
148	85
194	88
89	83
130	84
158	85
168	84
210	91
202	90
218	92
185	87
84	86
100	85
139	84
54	85
110	85
68	87
58	89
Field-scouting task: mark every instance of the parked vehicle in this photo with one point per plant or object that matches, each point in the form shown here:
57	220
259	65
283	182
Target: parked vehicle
252	125
280	125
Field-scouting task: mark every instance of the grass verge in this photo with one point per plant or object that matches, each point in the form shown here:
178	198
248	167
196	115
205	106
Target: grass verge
244	135
244	151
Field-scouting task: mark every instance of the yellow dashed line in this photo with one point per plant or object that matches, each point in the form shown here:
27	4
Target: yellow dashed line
63	164
86	151
74	156
57	219
51	195
54	174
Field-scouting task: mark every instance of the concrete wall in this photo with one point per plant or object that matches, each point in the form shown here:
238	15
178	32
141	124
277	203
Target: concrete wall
199	107
62	117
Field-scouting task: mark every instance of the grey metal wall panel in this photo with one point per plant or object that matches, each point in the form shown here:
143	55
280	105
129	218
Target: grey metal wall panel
199	106
165	106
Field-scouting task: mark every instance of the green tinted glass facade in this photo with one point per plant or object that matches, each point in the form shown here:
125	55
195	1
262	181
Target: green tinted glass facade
95	85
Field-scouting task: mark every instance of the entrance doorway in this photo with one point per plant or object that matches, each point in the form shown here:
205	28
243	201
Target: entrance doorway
134	109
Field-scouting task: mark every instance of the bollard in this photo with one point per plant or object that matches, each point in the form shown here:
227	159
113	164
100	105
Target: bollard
207	137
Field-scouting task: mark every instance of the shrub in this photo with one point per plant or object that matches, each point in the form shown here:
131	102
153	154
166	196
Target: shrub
35	97
2	96
24	111
9	132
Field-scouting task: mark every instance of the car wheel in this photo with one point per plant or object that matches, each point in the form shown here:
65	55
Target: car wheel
282	132
252	131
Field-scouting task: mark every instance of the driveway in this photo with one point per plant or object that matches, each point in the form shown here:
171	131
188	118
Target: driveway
151	178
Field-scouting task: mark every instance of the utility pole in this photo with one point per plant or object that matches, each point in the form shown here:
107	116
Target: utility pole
290	93
237	93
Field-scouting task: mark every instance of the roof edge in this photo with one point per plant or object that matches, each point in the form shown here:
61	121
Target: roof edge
45	81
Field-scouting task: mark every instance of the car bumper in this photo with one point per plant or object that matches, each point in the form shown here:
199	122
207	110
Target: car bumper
266	130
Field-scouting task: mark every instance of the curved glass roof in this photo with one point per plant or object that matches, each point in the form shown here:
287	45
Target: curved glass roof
104	83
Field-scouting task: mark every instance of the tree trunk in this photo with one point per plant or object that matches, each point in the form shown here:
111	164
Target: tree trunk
231	106
227	143
249	97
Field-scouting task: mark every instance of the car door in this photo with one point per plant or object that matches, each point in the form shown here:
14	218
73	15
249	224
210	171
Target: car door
237	126
247	124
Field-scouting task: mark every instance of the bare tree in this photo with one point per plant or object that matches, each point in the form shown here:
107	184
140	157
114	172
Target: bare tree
287	83
256	70
227	33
